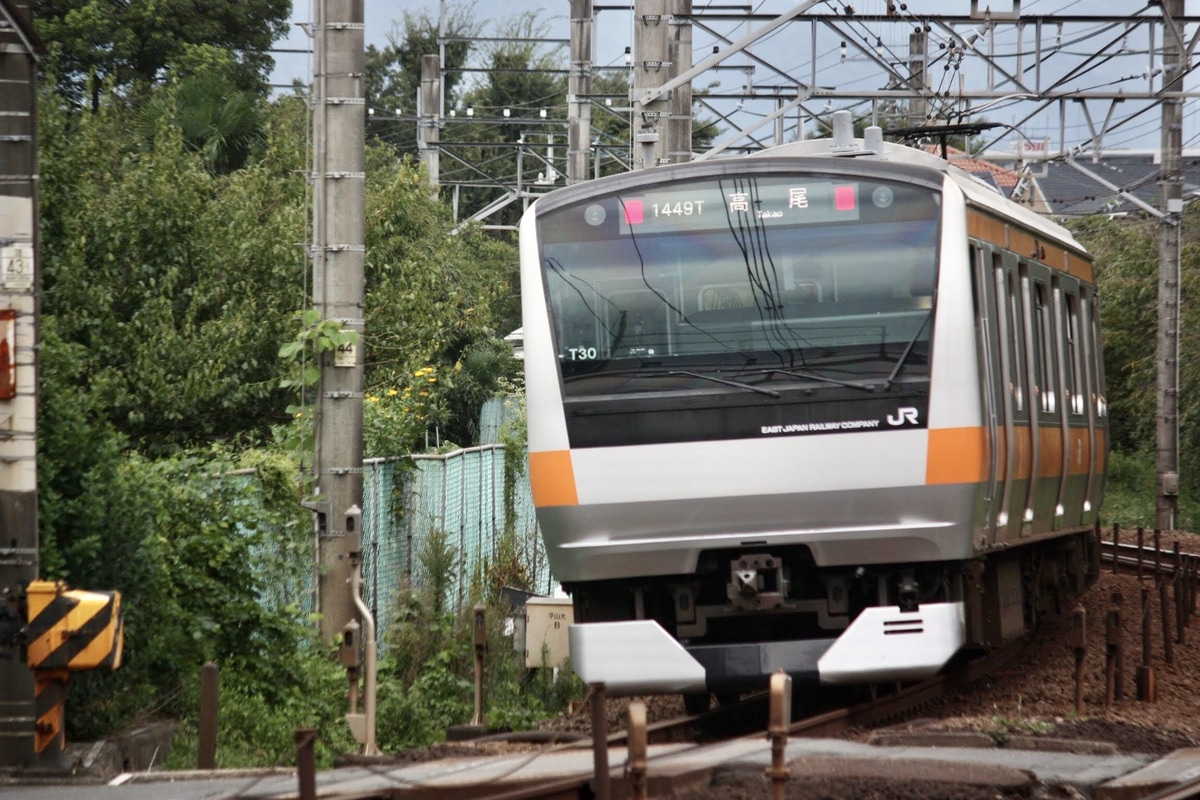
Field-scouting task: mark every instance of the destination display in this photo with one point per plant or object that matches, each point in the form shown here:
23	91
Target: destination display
739	203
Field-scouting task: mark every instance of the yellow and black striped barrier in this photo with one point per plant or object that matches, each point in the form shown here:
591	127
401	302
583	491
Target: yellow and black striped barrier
67	630
72	629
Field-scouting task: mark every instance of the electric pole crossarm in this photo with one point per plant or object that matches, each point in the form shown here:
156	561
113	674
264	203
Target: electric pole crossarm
753	57
654	93
732	138
724	118
1017	84
892	73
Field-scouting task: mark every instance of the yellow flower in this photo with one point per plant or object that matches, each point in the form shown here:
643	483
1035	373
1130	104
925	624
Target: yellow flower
424	394
392	392
432	380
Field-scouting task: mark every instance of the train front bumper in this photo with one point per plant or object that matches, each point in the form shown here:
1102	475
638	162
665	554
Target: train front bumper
883	644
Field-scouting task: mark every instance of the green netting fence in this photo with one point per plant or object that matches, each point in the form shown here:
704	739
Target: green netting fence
462	493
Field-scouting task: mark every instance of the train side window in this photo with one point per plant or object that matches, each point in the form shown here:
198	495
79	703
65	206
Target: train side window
1095	363
1071	352
1016	339
1044	347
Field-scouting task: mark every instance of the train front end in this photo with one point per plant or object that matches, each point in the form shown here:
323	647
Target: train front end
738	458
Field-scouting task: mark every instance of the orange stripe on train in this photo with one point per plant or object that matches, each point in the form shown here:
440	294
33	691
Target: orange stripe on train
552	478
956	455
960	455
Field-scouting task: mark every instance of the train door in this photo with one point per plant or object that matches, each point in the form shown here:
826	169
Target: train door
1013	358
992	326
1094	404
1028	347
1045	423
1077	441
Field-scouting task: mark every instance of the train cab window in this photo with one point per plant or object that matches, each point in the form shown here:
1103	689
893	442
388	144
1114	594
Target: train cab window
746	274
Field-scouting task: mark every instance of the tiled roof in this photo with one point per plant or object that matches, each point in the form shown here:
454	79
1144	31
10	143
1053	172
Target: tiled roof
1069	190
1001	179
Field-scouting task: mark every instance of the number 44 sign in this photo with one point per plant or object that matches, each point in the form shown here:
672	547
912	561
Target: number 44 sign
346	355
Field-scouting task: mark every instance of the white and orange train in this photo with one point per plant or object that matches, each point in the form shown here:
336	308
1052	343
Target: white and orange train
836	408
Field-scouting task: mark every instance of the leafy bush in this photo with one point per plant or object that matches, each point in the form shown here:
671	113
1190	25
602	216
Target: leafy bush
255	730
212	565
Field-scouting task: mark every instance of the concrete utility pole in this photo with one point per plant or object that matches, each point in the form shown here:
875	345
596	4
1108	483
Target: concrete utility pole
429	103
339	200
918	107
678	125
18	361
579	86
651	69
1169	256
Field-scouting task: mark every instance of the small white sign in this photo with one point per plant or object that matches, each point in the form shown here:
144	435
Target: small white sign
346	355
16	266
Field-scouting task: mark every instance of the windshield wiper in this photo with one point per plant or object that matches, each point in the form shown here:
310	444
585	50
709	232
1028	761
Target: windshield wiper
735	384
907	352
866	387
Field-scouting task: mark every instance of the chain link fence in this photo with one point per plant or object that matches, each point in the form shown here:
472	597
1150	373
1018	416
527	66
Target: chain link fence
406	500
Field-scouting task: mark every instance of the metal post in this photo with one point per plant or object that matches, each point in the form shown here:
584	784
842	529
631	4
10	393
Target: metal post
207	747
1164	602
19	334
777	731
306	764
428	121
480	637
600	782
1079	645
637	749
579	86
1141	536
1177	589
1169	252
1116	547
1114	672
338	253
1147	692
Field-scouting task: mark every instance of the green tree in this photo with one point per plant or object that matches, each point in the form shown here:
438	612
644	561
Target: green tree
221	122
393	72
1126	254
433	297
524	77
129	45
177	285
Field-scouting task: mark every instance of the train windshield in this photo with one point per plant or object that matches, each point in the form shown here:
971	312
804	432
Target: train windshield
735	276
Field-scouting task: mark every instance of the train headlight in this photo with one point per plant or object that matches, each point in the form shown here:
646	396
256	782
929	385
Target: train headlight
882	197
595	215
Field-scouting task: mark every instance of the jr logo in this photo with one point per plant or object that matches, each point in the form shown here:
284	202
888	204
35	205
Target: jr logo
904	416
